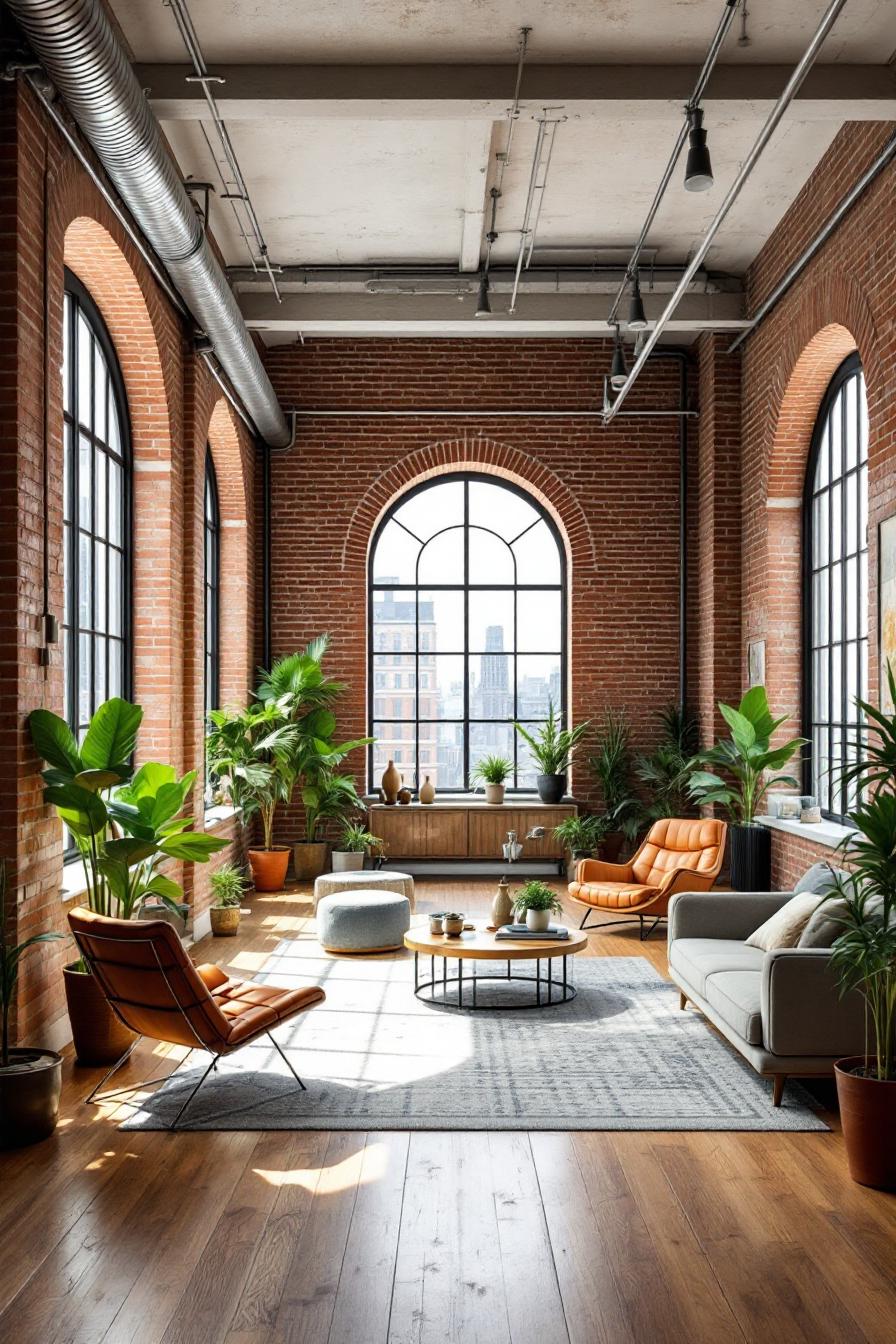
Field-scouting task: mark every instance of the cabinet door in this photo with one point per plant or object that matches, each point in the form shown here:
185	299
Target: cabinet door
546	817
402	830
445	834
488	831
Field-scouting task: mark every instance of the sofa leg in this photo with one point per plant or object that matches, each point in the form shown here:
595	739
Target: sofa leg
682	1001
778	1088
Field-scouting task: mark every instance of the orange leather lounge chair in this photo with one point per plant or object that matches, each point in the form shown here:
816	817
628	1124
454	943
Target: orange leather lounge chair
677	855
155	990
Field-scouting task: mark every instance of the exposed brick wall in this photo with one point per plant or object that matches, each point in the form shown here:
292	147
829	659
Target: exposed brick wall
175	407
613	490
845	300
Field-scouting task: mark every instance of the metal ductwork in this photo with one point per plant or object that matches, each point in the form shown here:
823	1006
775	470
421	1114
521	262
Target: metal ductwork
75	42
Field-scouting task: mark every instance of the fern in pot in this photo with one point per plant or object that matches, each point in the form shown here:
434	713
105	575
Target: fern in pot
582	835
228	886
492	772
552	748
534	903
355	843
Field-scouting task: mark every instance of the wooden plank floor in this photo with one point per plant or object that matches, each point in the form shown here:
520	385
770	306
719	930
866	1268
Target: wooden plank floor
428	1238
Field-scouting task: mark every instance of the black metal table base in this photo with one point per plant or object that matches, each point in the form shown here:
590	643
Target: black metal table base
460	992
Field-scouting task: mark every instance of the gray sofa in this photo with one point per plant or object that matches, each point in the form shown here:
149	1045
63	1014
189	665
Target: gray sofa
782	1010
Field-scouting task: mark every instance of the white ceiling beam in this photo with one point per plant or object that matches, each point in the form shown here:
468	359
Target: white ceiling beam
477	183
250	92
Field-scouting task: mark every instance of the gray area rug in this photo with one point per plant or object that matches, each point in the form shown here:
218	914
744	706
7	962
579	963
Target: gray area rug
620	1056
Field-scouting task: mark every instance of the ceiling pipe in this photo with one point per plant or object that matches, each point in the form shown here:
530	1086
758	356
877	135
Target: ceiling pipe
793	84
75	43
873	171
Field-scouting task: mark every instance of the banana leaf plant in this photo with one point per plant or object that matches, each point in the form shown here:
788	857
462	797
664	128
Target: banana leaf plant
250	754
124	824
745	763
10	957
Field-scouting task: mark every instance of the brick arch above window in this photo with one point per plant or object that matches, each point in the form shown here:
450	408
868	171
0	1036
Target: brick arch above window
477	455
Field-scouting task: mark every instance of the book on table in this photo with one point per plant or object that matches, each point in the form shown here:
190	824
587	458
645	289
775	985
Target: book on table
522	933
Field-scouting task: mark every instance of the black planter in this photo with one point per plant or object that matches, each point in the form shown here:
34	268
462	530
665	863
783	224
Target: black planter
29	1097
750	858
551	788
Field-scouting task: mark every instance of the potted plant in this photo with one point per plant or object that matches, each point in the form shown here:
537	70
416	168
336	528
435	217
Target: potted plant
326	797
581	835
612	764
125	826
250	756
355	842
536	902
667	770
492	772
228	886
747	761
864	954
552	750
30	1079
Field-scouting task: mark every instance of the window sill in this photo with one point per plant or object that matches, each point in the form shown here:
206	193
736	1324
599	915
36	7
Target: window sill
217	815
827	833
74	882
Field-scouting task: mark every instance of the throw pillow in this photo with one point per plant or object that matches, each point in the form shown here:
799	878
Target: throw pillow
820	879
825	924
784	927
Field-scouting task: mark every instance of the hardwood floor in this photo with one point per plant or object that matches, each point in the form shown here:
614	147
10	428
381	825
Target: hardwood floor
429	1238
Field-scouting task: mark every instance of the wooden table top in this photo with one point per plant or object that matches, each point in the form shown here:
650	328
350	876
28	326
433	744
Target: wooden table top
481	945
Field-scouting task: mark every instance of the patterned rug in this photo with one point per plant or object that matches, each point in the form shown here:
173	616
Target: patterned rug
619	1056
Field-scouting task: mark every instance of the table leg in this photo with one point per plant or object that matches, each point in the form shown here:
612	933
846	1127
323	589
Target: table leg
564	977
538	981
416	971
550	981
444	977
474	984
460	983
432	976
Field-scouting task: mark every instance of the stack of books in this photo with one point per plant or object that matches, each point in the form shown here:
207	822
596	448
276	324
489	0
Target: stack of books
520	932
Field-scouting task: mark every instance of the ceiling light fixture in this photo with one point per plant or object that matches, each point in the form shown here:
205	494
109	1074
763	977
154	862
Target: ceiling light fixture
698	169
618	369
483	306
637	319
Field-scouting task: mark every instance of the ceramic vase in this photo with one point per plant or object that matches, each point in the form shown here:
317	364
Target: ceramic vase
427	791
391	783
502	905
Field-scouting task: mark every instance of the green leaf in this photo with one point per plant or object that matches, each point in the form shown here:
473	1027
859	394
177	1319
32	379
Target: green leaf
192	846
130	850
96	780
54	742
164	886
83	812
112	734
320	723
149	779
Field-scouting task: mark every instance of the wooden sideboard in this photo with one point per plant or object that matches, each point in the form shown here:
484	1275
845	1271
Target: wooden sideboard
466	829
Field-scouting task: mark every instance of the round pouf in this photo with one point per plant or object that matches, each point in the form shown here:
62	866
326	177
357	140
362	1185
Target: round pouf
363	921
384	880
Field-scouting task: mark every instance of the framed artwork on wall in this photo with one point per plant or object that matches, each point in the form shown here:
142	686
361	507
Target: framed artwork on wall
887	600
756	662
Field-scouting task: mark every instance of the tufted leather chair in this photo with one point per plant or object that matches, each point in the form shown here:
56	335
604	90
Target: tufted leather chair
677	855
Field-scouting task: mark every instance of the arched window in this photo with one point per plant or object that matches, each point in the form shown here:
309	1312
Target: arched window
467	611
212	585
836	588
96	513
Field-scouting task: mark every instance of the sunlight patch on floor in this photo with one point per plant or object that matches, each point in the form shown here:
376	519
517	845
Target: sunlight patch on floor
364	1167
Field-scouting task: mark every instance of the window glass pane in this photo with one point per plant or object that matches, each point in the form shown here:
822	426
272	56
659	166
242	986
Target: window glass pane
503	510
116	671
85	582
114	427
393	680
430	510
491	739
85	679
820	528
443	696
99	671
115	487
538	685
99	393
394	742
442	746
85	371
85	482
442	559
395	557
537	556
851	441
851	597
99	587
99	492
823	465
852	513
491	621
526	768
116	592
835	427
491	560
539	621
491	686
836	521
394	621
66	356
66	471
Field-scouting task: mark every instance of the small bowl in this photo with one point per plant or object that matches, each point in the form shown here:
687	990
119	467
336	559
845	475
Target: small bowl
454	927
436	924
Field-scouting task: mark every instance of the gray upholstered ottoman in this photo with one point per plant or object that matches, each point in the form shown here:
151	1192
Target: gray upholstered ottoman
383	880
363	921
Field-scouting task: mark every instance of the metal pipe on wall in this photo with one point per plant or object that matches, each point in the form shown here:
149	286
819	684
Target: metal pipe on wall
771	123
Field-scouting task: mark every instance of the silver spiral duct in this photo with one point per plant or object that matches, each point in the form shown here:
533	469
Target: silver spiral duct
87	64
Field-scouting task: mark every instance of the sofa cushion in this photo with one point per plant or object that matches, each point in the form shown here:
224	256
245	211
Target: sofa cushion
784	927
818	880
825	924
698	958
737	998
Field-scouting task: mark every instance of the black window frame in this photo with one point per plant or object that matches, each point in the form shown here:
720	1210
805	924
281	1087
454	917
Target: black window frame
81	302
851	730
211	587
467	477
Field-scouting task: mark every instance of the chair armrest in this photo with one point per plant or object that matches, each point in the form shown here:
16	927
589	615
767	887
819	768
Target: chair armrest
595	870
685	879
803	1011
721	914
213	976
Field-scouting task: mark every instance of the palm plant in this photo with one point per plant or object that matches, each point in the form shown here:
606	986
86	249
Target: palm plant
10	956
666	772
553	748
746	758
250	753
297	682
612	764
327	797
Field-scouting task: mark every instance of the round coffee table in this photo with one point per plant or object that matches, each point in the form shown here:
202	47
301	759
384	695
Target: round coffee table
479	945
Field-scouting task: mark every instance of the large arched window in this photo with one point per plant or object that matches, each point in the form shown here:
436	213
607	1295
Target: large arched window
836	589
467	612
212	531
96	513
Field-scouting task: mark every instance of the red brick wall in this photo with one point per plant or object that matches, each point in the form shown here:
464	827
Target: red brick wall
845	300
613	490
175	407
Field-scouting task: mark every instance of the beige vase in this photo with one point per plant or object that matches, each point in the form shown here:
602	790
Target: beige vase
502	905
427	791
391	783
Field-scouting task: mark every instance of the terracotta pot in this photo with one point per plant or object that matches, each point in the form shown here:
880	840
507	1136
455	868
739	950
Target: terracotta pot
29	1097
494	793
269	867
98	1035
347	860
225	920
309	858
868	1116
391	782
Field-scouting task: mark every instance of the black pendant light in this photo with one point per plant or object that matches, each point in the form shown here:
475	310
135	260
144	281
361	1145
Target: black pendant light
618	370
698	169
483	307
637	319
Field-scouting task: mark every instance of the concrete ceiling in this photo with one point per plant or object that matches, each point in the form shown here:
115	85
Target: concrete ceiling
356	154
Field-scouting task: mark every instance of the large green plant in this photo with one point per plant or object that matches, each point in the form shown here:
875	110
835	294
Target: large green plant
667	770
250	754
10	956
124	824
553	747
581	835
747	760
328	797
612	765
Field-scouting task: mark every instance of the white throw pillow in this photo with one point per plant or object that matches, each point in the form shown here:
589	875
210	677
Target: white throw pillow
784	927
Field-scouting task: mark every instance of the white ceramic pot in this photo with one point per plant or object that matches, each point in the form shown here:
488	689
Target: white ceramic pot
347	861
537	921
494	793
